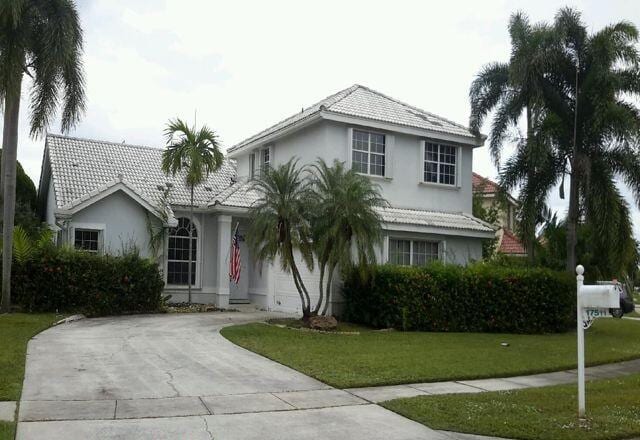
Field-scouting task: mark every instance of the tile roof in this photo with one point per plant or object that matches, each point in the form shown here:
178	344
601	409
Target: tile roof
80	166
484	185
510	244
243	196
437	219
363	102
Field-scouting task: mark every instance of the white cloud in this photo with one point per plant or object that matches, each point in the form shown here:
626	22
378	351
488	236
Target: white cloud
244	65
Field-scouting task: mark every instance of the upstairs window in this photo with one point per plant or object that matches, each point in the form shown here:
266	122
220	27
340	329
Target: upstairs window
368	153
413	252
87	240
440	163
259	160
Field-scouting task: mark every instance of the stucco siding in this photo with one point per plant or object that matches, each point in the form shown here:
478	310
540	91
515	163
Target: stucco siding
329	140
51	205
123	221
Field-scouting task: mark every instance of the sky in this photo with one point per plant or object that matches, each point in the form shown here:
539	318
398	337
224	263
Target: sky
240	66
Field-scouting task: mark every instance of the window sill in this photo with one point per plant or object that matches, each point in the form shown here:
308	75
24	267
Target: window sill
374	177
181	287
439	185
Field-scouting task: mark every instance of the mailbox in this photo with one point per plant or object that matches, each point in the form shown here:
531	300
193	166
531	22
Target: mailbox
600	296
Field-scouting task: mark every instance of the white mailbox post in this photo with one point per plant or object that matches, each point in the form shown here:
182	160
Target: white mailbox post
593	302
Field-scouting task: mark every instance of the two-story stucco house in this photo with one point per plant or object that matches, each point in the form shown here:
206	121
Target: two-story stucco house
105	197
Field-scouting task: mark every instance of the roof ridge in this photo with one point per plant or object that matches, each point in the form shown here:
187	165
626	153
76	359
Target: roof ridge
413	107
319	104
98	141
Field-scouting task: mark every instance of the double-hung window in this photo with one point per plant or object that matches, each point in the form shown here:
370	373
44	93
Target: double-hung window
368	152
258	161
413	252
439	163
87	240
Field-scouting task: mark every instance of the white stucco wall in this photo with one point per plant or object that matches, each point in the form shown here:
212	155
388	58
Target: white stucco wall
51	205
329	140
122	220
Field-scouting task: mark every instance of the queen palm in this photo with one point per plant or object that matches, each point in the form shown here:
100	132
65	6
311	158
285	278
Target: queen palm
279	225
43	40
511	90
344	219
196	154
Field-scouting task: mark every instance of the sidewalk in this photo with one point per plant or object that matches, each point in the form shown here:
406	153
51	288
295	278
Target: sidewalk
382	393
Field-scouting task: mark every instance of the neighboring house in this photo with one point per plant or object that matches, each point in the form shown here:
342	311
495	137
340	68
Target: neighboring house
506	205
105	197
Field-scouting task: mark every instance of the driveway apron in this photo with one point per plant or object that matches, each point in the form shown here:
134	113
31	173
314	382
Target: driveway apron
175	376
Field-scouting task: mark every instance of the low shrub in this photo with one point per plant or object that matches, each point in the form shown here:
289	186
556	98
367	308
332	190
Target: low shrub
449	298
72	281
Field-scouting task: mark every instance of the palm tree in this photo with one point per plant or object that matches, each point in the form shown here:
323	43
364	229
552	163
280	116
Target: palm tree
512	89
42	39
197	154
279	222
344	218
593	123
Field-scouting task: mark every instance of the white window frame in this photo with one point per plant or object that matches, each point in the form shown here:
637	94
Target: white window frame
99	227
265	157
197	261
259	159
252	165
412	242
369	152
423	160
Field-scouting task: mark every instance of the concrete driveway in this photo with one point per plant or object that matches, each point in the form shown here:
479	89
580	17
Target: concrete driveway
174	376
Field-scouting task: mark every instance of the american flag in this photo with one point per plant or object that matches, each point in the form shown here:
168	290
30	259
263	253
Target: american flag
234	263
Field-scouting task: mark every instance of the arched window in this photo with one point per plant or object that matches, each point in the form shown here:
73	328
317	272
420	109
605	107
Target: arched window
178	255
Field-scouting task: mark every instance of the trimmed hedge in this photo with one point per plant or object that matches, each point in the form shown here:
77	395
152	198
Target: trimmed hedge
448	298
72	281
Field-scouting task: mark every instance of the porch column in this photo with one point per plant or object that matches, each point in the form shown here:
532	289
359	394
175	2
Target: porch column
224	248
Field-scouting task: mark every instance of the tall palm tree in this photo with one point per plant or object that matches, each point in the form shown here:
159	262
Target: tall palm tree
344	218
584	126
511	90
279	222
593	122
196	153
43	40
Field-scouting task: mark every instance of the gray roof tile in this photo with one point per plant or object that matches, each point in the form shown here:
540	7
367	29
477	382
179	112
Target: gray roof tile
82	166
363	102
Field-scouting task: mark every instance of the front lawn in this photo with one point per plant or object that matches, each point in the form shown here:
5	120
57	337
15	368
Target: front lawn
390	357
549	413
15	331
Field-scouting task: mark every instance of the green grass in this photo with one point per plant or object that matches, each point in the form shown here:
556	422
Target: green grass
7	430
549	413
385	358
15	331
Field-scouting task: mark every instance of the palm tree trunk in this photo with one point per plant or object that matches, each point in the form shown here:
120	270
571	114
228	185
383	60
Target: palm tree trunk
316	310
327	300
190	246
297	279
9	159
572	215
531	227
572	218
